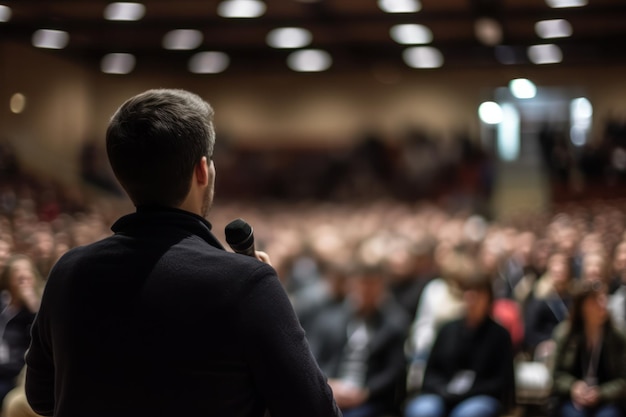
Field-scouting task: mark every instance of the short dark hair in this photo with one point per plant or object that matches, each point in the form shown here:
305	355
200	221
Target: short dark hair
155	140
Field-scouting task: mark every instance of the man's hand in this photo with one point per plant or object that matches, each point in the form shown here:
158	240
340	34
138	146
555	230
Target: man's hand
263	257
347	395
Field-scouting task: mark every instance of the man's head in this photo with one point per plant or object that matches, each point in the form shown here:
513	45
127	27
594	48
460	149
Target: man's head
158	143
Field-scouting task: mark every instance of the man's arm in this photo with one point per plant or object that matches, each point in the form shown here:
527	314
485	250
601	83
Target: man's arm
281	361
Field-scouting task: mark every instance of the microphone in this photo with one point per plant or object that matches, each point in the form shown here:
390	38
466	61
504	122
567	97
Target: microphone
240	237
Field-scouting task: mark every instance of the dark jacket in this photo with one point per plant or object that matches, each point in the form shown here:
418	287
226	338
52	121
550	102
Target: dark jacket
159	320
16	338
386	365
611	368
485	350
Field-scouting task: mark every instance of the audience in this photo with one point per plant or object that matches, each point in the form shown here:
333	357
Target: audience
531	259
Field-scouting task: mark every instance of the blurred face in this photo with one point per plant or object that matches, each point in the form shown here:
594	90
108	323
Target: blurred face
477	305
593	268
594	308
619	262
559	271
5	252
366	292
21	275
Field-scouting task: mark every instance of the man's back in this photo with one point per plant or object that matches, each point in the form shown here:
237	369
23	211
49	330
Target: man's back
160	320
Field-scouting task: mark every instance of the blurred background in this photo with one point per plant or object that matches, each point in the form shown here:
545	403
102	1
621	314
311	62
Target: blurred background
497	104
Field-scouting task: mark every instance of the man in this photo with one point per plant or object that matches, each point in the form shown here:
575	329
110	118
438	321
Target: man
158	319
359	345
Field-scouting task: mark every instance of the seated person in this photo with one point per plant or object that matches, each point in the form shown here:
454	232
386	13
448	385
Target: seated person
548	304
359	346
590	358
21	287
469	372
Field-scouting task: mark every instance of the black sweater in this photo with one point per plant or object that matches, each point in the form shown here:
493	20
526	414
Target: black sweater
485	350
160	320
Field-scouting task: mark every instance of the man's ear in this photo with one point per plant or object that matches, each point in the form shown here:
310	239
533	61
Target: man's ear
201	171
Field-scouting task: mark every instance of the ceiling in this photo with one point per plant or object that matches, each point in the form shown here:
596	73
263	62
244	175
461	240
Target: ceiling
354	32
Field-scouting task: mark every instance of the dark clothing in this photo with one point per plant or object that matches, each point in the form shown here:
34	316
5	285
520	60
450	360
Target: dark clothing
160	320
15	327
384	358
572	360
541	316
485	351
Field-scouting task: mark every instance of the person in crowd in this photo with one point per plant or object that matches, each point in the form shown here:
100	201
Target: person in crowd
590	358
359	345
469	372
439	303
410	266
617	300
506	310
158	318
19	302
548	305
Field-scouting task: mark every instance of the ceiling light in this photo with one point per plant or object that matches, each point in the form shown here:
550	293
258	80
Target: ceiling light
411	34
124	11
51	39
523	88
241	8
423	57
289	38
559	4
117	63
309	60
490	112
488	31
400	6
17	104
208	62
545	54
182	39
555	28
5	13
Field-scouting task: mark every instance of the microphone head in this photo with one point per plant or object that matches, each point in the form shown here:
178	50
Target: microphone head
239	236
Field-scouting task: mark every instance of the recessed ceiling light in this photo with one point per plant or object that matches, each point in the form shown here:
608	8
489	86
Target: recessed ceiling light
124	11
241	8
423	57
17	103
309	60
488	31
555	28
289	38
210	62
117	63
400	6
50	39
182	39
5	13
559	4
411	34
523	88
545	54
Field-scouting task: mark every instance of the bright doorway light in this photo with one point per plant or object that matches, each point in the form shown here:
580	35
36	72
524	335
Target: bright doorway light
490	113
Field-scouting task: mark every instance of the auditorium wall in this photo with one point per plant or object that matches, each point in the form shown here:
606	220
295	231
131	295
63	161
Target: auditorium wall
69	103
